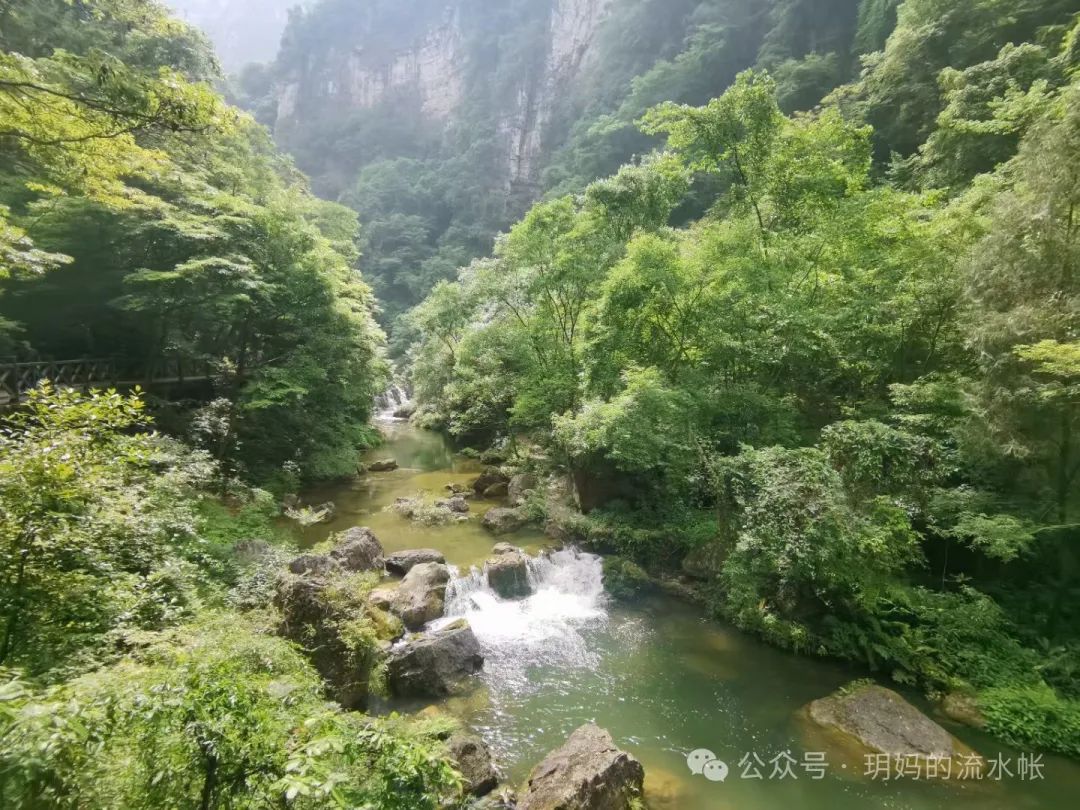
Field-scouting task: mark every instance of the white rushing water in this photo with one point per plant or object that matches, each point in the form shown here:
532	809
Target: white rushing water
543	629
390	400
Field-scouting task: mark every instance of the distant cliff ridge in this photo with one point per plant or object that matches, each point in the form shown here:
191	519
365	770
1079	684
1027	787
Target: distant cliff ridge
445	60
440	122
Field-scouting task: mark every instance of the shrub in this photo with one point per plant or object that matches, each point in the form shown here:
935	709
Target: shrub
1033	717
217	715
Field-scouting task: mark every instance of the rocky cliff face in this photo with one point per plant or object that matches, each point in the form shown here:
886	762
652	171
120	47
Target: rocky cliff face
438	72
362	74
574	24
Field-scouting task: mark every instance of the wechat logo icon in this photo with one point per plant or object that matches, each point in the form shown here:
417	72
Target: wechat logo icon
703	762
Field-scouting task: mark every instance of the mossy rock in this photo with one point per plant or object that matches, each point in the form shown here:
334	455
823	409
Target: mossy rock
624	579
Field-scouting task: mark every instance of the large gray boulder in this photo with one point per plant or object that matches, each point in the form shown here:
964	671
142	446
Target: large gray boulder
503	521
519	486
420	598
881	721
402	562
434	664
588	773
383	465
472	758
358	550
507	572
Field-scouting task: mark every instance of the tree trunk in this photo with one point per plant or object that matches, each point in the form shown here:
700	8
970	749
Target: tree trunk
15	611
1064	467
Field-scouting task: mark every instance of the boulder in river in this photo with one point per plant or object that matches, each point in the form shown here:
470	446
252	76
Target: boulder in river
878	720
472	758
402	562
489	478
434	664
624	579
503	521
520	485
383	465
456	504
499	490
359	549
420	597
507	572
589	772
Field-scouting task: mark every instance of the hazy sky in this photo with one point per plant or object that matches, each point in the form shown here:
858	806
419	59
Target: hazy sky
242	30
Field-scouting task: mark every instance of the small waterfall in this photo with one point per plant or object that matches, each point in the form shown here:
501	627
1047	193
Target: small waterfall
390	400
544	629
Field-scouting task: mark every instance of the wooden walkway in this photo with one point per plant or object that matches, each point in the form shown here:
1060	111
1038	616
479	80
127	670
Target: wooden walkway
16	379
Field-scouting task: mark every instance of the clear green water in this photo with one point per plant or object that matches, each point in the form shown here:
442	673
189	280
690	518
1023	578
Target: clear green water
660	678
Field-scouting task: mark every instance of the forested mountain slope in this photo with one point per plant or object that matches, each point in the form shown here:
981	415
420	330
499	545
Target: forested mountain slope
824	363
145	220
141	217
440	122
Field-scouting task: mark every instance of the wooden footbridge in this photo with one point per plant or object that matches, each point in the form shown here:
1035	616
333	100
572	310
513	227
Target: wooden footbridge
18	378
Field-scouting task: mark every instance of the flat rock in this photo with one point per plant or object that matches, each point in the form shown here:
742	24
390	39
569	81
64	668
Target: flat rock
359	549
472	757
881	721
383	465
420	598
402	562
434	664
589	772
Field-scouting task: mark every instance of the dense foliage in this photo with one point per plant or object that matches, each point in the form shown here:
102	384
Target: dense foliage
146	221
143	220
433	193
844	399
130	679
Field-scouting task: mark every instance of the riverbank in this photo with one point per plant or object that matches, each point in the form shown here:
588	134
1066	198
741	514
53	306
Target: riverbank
664	680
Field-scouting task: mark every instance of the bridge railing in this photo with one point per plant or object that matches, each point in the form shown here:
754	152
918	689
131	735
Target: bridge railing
18	378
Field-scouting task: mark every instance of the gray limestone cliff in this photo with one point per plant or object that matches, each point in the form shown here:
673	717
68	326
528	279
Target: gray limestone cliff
438	63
